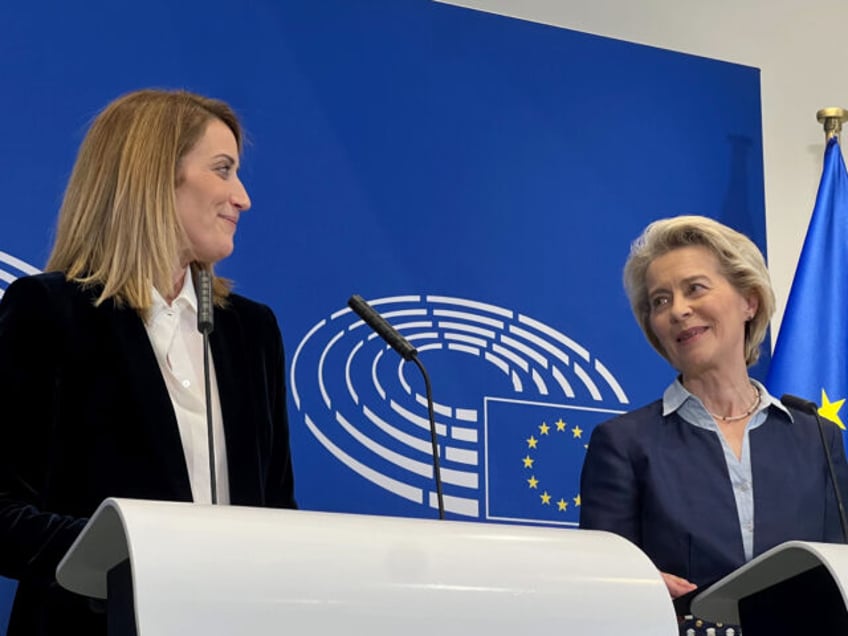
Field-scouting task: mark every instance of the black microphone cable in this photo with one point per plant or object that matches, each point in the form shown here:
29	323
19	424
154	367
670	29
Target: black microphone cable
407	352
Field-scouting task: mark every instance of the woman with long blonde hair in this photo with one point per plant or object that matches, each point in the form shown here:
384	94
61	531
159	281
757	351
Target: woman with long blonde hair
101	377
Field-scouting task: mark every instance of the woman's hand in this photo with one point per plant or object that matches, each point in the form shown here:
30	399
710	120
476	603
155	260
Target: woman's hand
677	586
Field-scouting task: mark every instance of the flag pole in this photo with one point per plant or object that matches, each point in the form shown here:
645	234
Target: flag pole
832	119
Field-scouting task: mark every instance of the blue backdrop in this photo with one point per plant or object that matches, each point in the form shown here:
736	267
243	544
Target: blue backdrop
480	178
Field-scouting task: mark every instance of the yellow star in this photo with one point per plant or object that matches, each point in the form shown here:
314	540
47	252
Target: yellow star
830	410
577	432
562	504
544	428
560	425
531	443
546	498
533	481
577	500
528	462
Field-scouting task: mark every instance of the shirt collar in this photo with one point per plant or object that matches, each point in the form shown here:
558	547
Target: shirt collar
187	296
676	394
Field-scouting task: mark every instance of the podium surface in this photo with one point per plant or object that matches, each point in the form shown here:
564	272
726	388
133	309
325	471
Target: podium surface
228	569
803	581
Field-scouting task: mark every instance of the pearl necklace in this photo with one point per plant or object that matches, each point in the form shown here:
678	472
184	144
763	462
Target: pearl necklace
735	418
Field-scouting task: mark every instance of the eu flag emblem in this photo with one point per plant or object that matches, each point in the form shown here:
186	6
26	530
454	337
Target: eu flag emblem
534	454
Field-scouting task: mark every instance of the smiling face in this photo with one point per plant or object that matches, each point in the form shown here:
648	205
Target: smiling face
697	315
209	195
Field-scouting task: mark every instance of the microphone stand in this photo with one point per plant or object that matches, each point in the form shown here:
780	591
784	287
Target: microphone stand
437	471
204	325
837	495
407	352
210	431
811	408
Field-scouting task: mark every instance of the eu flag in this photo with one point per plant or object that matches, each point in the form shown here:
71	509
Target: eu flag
811	355
534	454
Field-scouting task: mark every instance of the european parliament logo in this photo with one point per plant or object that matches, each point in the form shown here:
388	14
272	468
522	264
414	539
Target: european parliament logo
515	402
12	268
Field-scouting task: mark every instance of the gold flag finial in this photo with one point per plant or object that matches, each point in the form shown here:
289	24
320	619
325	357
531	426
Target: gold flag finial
831	119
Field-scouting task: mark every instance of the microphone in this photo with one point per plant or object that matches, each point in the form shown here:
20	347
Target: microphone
407	352
799	404
205	323
805	406
383	328
203	285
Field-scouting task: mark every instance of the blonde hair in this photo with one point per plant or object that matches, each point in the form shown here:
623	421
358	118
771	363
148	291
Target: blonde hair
740	260
118	226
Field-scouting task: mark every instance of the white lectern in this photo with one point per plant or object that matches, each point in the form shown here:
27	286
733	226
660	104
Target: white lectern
196	569
795	588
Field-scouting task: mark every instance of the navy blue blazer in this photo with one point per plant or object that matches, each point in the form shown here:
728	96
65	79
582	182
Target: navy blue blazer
85	415
664	485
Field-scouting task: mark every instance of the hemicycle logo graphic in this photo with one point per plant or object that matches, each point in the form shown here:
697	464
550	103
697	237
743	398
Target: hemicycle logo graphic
518	400
12	268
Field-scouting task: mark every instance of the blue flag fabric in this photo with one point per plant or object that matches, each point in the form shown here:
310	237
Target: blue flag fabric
534	453
811	356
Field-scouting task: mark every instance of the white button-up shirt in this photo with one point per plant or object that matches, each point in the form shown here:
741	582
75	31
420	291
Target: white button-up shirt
178	346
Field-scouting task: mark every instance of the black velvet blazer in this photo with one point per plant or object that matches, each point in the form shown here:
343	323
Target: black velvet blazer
85	415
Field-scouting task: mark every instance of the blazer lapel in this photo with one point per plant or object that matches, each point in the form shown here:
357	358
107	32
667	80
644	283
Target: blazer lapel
150	399
234	376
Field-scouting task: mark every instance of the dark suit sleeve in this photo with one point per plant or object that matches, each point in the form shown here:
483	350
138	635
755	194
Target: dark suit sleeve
279	486
833	529
32	540
609	497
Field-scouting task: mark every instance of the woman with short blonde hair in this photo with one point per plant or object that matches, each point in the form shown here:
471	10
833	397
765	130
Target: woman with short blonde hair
717	470
741	262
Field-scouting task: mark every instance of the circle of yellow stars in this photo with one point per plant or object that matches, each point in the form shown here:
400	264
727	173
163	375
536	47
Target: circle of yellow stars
533	483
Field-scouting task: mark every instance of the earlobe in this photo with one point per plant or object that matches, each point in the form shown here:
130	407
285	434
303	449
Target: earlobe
753	307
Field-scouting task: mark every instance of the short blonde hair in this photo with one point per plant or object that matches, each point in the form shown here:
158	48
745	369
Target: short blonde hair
118	225
740	260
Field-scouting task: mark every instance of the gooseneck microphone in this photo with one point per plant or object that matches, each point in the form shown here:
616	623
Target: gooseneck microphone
383	328
205	324
407	352
805	406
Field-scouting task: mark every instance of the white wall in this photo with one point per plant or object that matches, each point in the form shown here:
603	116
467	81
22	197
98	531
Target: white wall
801	47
